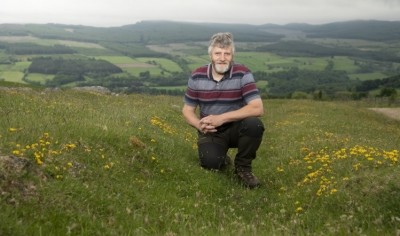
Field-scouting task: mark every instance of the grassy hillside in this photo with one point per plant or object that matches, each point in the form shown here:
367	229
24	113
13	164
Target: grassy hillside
93	164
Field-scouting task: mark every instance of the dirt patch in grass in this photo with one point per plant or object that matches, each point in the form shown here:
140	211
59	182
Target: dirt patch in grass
393	113
17	177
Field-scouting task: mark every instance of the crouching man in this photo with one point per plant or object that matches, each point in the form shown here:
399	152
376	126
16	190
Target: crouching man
229	105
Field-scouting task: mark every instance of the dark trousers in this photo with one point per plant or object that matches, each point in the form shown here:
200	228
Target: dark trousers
245	135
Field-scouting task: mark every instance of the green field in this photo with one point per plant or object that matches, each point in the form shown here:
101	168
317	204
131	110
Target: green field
345	63
269	62
135	66
367	76
12	76
39	78
49	42
194	54
162	63
196	61
90	164
18	66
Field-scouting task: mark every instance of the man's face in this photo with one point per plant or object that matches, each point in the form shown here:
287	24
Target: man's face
221	59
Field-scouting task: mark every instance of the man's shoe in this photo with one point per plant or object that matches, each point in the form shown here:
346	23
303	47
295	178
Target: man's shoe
247	178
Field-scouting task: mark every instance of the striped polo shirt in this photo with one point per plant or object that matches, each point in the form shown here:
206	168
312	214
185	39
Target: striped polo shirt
233	91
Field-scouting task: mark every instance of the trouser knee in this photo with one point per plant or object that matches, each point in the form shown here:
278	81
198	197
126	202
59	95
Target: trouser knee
252	127
212	156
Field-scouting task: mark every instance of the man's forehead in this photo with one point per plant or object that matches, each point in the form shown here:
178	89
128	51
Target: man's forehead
222	48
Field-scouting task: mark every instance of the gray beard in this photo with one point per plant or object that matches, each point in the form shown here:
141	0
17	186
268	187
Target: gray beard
221	69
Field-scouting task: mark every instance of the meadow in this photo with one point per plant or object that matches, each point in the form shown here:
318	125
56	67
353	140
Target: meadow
95	164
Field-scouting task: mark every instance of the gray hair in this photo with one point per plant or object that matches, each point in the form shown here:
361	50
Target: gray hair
222	40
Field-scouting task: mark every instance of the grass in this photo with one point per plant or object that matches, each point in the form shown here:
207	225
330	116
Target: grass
270	63
127	165
163	63
12	76
49	42
368	76
182	88
118	59
344	63
155	66
39	78
195	61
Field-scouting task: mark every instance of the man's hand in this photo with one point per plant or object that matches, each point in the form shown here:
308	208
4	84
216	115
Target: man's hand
207	127
253	108
210	123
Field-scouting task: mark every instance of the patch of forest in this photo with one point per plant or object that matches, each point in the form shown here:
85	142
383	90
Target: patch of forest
33	49
68	70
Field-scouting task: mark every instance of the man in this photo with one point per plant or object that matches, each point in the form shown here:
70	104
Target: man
229	104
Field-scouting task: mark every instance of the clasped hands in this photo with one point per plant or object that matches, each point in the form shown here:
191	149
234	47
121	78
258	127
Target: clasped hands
209	124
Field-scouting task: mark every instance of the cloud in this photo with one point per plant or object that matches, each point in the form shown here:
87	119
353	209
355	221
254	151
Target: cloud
122	12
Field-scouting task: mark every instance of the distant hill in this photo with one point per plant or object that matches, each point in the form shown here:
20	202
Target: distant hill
168	31
367	30
146	32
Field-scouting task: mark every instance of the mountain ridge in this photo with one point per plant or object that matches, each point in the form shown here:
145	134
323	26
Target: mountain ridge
175	31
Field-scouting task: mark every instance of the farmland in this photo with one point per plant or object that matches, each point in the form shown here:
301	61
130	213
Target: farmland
157	61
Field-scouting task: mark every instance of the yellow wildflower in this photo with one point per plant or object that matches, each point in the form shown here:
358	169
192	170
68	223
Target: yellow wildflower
299	209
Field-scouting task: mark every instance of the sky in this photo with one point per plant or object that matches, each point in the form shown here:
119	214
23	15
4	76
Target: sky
109	13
